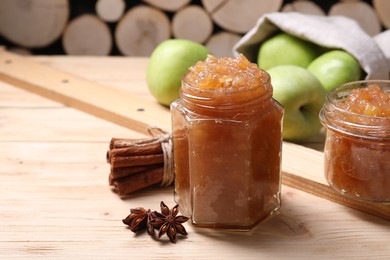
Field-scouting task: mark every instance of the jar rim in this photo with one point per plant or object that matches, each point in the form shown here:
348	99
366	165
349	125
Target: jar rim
226	98
264	83
347	87
365	126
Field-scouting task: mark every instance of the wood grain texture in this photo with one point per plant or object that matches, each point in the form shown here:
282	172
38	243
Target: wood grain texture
110	10
221	44
304	7
55	201
140	31
168	5
382	8
192	23
239	16
361	12
87	35
118	106
33	23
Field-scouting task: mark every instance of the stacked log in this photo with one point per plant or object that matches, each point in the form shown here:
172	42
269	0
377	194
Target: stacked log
382	8
362	12
238	16
110	10
141	30
135	28
87	35
193	23
304	7
33	23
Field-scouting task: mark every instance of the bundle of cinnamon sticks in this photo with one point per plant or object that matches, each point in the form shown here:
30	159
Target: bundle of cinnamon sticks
135	164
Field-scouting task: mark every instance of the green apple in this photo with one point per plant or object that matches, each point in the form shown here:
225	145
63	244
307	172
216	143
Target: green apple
286	49
302	96
334	68
168	63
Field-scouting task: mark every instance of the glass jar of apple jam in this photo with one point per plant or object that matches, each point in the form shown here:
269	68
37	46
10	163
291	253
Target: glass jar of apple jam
227	141
357	147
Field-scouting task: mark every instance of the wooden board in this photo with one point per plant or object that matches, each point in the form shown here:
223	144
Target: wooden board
55	201
114	105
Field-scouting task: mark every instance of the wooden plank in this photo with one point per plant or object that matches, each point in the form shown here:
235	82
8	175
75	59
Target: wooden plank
126	73
23	112
115	105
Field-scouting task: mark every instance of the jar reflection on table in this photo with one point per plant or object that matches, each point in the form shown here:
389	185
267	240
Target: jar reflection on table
227	153
357	147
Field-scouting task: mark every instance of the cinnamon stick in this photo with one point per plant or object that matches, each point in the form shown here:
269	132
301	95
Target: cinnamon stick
120	142
129	161
154	148
132	183
135	164
121	172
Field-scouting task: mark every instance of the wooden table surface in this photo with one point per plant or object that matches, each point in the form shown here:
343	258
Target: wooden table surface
55	202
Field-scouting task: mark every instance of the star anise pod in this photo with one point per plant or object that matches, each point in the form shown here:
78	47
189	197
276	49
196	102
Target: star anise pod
167	222
138	219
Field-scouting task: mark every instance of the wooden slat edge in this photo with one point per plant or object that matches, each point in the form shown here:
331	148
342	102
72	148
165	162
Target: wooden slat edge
326	192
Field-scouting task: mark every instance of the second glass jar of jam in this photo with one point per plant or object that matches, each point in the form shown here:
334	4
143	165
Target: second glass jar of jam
357	147
227	141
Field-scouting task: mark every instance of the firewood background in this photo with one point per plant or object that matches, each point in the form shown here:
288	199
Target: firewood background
135	27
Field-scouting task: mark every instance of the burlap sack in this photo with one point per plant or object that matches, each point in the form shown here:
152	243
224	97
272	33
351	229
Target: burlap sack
327	31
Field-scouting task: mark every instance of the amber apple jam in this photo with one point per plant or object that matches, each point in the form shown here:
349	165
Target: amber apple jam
227	141
357	148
